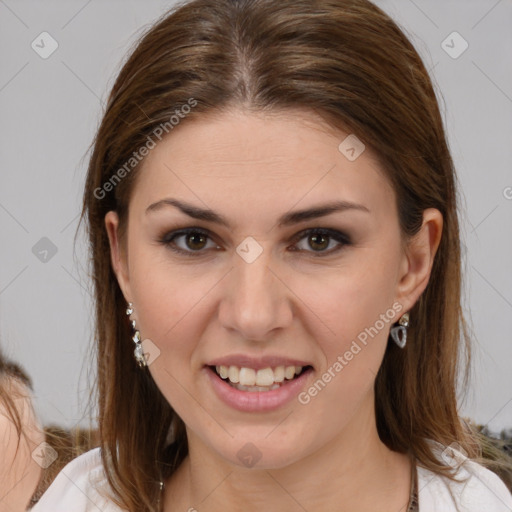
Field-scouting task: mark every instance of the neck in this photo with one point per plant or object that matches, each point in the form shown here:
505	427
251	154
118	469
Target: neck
353	472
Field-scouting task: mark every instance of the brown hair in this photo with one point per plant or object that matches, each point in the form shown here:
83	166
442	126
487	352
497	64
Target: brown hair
13	372
68	444
350	63
14	384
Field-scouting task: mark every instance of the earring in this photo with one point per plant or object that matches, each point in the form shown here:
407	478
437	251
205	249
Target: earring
138	352
399	332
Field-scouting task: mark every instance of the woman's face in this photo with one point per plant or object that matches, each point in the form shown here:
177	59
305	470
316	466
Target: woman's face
256	291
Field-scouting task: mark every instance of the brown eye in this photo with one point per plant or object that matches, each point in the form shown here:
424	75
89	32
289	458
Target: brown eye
318	241
195	241
322	241
190	242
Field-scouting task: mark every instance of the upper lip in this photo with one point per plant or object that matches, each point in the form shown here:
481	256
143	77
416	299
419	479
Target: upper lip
257	363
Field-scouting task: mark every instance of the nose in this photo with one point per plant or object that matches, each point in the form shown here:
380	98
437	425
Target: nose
257	302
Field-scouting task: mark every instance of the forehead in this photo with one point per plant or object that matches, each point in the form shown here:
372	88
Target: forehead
249	164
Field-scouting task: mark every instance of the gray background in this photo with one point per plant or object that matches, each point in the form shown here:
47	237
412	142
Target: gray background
50	109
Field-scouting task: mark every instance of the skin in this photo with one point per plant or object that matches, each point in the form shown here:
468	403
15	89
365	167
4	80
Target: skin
19	472
252	168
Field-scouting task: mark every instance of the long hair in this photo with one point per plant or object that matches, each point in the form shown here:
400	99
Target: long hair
11	371
16	384
350	63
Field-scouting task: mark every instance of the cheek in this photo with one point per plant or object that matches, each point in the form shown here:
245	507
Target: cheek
354	302
169	318
355	316
170	311
162	295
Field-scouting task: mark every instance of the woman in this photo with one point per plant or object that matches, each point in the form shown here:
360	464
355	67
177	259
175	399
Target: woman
272	214
22	452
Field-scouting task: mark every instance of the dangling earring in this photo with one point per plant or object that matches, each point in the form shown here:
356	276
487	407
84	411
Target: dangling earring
138	352
399	332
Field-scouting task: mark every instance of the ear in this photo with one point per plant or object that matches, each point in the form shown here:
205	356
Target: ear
118	254
418	259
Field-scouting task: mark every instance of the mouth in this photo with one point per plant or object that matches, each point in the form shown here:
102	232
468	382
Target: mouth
261	380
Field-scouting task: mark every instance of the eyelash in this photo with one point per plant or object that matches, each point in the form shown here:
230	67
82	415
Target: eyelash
338	236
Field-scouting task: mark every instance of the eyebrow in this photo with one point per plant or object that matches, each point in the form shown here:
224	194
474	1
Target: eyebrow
287	219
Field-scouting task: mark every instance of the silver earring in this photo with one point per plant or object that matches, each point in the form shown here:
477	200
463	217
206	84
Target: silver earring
399	332
139	351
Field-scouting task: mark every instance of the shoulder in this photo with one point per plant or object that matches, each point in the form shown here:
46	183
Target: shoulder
477	487
81	486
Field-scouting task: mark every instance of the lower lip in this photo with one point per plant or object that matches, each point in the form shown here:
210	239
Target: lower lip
257	401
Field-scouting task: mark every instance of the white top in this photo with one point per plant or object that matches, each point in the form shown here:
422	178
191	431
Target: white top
75	488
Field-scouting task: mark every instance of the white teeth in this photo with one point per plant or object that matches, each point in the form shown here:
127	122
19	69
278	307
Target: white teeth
279	374
247	376
255	388
289	372
233	374
265	377
260	378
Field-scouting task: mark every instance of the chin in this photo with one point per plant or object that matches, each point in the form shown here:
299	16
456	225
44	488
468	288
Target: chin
260	453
